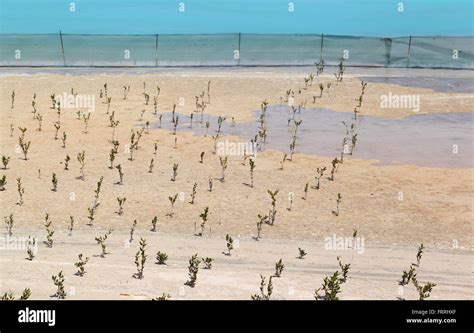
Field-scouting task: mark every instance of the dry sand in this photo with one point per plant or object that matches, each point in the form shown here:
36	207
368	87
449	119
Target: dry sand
437	206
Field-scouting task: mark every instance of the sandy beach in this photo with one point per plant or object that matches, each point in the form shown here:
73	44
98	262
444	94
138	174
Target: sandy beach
394	208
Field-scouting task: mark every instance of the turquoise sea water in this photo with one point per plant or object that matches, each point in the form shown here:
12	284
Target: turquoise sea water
236	33
337	17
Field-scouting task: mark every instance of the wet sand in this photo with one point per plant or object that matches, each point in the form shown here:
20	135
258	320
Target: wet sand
436	207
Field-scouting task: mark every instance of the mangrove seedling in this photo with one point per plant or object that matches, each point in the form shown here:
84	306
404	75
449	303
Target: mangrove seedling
210	184
132	231
9	224
193	269
319	66
31	248
26	294
334	164
81	158
340	71
203	216
411	276
21	190
71	225
175	172
86	121
155	105
140	259
305	191
302	253
58	281
207	262
126	90
193	194
261	221
344	150
230	244
344	270
121	202
223	162
57	127
279	268
163	297
97	190
220	121
208	92
114	125
66	162
161	258
153	223
283	160
338	201
150	167
22	130
109	101
319	174
273	211
119	168
7	297
172	201
330	288
80	265
63	140
252	167
90	217
419	254
54	180
424	291
24	147
3	183
264	296
332	284
112	158
39	118
354	141
101	241
49	232
175	125
5	161
321	89
116	145
53	101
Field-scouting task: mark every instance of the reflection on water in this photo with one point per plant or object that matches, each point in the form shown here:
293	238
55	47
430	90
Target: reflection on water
436	140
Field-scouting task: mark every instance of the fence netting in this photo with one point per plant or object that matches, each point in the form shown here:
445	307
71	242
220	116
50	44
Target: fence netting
234	50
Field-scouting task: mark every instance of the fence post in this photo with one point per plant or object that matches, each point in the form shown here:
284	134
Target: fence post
238	60
321	49
62	47
408	54
388	51
156	50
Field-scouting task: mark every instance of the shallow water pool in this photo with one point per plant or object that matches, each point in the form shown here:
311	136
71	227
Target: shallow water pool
436	140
